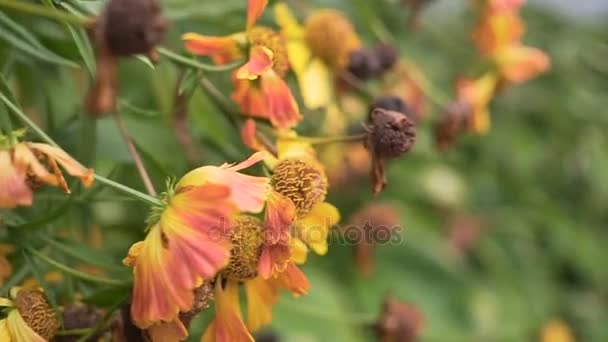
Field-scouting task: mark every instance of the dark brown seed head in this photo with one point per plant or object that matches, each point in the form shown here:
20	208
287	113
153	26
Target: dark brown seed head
398	322
364	64
79	316
386	55
304	184
37	313
392	103
129	27
391	134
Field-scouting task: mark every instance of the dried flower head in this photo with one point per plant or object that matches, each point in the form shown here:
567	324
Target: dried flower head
454	121
390	135
364	64
80	316
391	103
124	28
398	322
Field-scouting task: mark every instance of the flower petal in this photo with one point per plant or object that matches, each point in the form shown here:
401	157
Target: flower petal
520	63
168	331
282	109
188	244
228	324
280	214
314	227
294	280
260	61
223	49
14	190
19	330
71	166
261	296
290	27
316	85
255	9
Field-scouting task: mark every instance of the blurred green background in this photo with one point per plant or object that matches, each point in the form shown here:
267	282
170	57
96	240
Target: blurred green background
536	182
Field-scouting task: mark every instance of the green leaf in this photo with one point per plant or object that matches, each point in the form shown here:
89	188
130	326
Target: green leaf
17	36
82	253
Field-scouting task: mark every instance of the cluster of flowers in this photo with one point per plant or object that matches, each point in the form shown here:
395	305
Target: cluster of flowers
497	36
218	229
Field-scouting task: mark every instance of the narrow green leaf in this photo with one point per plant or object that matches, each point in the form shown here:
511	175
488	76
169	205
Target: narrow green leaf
48	217
126	107
82	253
15	34
15	279
146	61
50	294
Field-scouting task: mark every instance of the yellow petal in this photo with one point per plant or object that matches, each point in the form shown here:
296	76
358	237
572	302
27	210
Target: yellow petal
316	85
299	56
4	333
299	251
288	22
261	296
314	227
19	330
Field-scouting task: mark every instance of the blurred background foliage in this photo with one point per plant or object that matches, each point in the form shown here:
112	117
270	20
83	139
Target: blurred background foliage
531	195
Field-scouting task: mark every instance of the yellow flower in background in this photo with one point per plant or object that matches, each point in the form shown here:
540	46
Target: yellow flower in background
476	95
259	88
26	165
187	240
30	318
556	331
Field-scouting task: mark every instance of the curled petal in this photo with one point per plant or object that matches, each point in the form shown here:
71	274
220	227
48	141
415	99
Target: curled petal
280	214
228	324
255	9
260	61
187	245
168	331
248	135
294	280
249	97
14	190
248	193
222	49
71	166
24	159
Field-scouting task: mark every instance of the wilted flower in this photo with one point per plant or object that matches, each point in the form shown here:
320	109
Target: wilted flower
25	166
124	28
259	88
390	135
80	316
454	121
398	322
187	239
30	317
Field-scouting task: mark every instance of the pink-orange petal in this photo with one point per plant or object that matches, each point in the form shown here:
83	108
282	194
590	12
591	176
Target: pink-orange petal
13	187
228	324
260	61
249	136
255	9
282	109
223	49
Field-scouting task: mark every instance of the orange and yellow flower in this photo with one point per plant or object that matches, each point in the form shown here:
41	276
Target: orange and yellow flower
27	165
259	88
187	239
476	95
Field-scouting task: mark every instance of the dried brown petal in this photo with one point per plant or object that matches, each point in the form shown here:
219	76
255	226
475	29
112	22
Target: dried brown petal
455	120
203	295
398	322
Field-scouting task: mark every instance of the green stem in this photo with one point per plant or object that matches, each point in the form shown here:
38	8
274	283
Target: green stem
31	125
76	273
43	11
195	64
325	140
72	332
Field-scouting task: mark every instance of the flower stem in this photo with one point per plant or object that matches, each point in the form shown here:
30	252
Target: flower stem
43	11
76	273
141	168
189	62
325	140
31	125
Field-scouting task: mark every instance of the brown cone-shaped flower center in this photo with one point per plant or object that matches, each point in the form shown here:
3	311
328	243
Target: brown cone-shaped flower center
304	184
271	40
37	313
247	238
331	37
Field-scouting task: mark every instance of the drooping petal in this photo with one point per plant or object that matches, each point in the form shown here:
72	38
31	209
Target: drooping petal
174	331
255	9
316	85
294	280
299	251
280	214
290	27
24	159
248	193
520	63
13	187
260	61
313	229
282	109
70	165
248	135
222	49
187	245
228	324
18	329
261	296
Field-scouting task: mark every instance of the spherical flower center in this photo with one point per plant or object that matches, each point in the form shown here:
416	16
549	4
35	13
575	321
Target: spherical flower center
304	184
37	313
247	237
331	37
271	40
